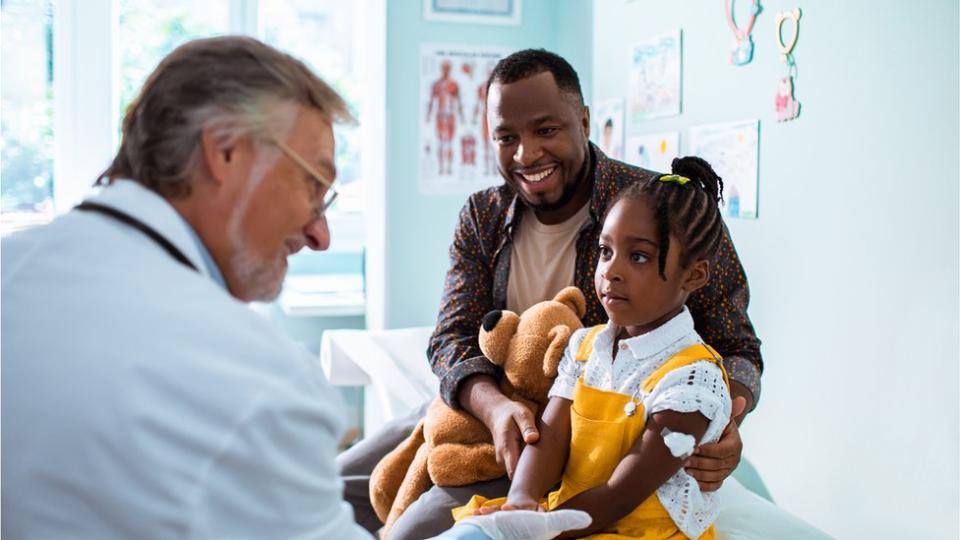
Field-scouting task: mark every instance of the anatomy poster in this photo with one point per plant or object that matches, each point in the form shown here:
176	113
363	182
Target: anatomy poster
732	150
655	78
607	118
654	151
456	153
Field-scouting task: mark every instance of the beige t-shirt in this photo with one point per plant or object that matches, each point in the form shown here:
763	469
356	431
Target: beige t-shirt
543	259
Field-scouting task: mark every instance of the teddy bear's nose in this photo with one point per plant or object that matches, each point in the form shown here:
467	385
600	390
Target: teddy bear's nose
491	319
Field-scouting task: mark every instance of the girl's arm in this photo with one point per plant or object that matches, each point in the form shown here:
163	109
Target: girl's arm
541	463
645	468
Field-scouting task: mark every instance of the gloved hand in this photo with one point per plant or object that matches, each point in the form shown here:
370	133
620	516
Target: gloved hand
528	524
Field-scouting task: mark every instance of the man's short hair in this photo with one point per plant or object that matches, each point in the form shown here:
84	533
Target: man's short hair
530	62
234	83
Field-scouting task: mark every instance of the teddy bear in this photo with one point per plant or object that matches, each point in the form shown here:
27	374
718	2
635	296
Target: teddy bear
452	448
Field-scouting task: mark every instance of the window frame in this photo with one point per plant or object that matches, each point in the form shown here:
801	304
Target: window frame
86	97
85	101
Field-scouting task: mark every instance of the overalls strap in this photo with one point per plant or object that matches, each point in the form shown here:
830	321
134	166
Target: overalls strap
586	346
691	355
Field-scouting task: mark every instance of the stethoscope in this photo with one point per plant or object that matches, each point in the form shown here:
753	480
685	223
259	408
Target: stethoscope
135	223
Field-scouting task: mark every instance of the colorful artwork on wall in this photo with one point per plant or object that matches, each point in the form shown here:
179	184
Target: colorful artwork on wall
655	78
732	149
654	151
607	118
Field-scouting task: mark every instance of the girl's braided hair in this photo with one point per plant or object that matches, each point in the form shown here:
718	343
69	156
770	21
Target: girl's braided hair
686	209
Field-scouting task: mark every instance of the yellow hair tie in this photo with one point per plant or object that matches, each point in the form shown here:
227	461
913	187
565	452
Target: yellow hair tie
674	178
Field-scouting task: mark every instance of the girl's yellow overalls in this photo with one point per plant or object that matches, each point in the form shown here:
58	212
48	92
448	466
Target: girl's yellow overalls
601	434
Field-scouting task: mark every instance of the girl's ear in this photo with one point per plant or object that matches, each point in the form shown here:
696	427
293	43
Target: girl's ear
698	274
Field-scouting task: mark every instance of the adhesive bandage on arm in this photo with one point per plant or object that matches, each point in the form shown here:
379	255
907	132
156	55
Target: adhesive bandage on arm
681	445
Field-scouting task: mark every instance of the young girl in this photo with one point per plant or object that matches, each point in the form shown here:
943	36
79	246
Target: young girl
634	397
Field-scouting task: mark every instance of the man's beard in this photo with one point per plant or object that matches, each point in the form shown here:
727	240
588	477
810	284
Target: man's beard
569	191
258	280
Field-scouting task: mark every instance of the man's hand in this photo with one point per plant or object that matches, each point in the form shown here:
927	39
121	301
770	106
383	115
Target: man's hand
714	462
512	426
510	423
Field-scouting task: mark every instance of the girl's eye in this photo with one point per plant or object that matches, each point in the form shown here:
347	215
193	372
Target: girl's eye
605	252
639	258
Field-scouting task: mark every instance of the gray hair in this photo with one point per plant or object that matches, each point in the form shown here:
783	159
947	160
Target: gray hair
236	84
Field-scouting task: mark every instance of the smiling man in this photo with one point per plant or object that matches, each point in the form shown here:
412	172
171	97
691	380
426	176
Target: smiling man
541	132
519	243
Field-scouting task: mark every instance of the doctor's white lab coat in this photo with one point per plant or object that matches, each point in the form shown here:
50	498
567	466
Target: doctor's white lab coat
140	400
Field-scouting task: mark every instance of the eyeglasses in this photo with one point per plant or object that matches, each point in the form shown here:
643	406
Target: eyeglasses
330	196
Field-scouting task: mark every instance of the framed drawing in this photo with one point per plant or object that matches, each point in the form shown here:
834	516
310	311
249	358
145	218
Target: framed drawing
732	149
655	78
607	120
653	151
473	11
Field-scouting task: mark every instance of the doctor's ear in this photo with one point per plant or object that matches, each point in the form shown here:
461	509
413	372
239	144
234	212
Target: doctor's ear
219	152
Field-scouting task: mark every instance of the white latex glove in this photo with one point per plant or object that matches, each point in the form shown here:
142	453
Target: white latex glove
528	524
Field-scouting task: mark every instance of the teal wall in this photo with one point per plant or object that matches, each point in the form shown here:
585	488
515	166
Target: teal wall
853	263
419	227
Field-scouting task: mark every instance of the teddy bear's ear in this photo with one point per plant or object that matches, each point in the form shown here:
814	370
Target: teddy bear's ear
495	333
559	336
573	297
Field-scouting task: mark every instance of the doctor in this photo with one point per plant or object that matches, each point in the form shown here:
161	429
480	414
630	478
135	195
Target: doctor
140	397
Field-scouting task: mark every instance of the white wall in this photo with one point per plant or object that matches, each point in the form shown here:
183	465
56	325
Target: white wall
853	263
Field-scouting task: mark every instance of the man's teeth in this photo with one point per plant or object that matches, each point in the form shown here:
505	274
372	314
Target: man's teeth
537	177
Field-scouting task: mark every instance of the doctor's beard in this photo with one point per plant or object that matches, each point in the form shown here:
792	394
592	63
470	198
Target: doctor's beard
259	279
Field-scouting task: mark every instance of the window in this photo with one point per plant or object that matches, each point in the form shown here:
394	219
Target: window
63	98
150	29
26	113
328	35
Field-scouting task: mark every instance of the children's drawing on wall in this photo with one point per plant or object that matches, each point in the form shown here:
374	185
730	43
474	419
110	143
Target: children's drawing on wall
655	78
456	153
732	150
607	118
654	151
